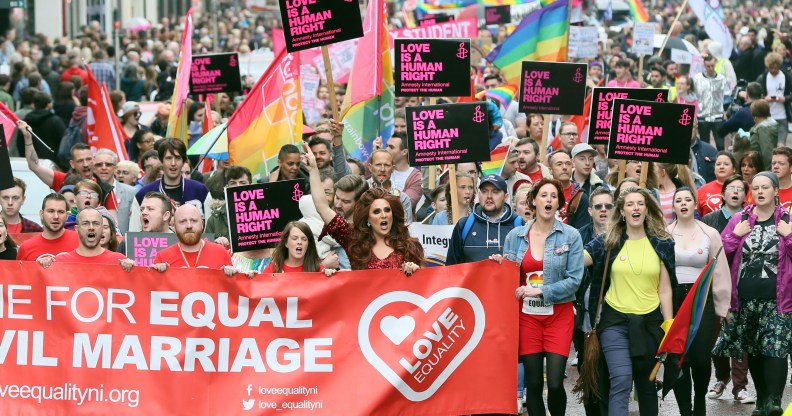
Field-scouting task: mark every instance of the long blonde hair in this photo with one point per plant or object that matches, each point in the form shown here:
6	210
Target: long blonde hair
654	224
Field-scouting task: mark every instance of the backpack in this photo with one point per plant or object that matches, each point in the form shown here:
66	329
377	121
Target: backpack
71	136
518	221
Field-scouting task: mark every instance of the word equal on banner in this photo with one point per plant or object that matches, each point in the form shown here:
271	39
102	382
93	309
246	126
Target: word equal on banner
601	102
258	213
651	131
192	341
447	133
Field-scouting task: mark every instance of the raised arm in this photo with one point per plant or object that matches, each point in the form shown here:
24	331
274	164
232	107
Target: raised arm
44	173
317	191
340	165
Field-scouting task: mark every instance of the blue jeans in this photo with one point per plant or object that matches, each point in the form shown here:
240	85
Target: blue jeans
624	370
783	126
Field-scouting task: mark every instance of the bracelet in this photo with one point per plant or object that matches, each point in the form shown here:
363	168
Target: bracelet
28	144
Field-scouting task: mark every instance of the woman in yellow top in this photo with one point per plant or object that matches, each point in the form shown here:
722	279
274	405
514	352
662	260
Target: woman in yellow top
638	300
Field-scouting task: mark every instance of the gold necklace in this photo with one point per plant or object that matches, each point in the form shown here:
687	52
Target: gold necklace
630	257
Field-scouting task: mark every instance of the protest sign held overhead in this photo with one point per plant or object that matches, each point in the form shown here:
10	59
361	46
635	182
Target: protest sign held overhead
643	38
431	67
552	87
582	42
651	131
310	23
215	73
435	19
448	133
257	213
112	342
497	15
601	102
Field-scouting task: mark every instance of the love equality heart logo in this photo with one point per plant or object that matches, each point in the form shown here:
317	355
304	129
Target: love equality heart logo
417	343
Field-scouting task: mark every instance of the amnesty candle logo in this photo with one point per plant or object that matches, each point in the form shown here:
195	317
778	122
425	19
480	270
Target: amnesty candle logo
417	343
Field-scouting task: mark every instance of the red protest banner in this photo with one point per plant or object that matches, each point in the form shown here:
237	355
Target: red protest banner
441	342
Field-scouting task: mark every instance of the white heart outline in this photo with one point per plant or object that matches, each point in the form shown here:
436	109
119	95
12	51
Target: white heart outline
425	304
401	333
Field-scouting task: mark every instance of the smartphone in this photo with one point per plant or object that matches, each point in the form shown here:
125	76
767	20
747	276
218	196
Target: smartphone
773	98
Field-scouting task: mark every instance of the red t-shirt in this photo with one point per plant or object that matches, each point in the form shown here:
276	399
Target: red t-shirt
14	228
37	246
564	211
785	197
535	177
287	269
212	256
107	257
531	270
110	200
710	198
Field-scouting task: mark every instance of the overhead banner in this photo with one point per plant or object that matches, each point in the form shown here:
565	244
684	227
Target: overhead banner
462	28
552	87
601	102
447	133
310	23
435	240
215	73
651	131
194	342
431	67
257	213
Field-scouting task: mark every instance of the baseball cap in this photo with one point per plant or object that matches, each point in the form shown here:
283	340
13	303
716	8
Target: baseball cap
583	147
495	180
129	107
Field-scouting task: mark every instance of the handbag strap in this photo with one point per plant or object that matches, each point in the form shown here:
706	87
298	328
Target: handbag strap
602	290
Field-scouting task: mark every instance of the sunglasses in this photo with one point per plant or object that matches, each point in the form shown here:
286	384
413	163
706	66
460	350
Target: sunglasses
598	207
105	164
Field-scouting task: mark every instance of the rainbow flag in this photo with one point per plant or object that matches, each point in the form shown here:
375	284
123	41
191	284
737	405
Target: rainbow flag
268	118
503	94
638	11
177	121
498	157
541	36
370	86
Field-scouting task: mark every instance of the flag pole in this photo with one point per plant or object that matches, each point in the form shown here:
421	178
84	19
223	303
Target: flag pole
676	19
39	139
330	83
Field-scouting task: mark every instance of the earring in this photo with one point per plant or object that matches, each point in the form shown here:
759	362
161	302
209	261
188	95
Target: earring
368	224
622	218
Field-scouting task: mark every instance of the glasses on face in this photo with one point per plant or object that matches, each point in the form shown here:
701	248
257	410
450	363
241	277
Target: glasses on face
737	189
88	194
598	207
105	164
137	114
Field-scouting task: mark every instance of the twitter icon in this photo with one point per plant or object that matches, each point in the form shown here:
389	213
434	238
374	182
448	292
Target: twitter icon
248	404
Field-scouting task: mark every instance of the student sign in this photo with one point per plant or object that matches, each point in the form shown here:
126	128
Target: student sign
651	131
432	67
601	102
258	213
552	87
310	23
448	133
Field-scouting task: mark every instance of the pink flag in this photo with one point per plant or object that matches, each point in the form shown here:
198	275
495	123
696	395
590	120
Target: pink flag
177	123
9	121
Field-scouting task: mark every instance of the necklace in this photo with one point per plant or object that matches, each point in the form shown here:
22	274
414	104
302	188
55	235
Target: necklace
197	259
630	257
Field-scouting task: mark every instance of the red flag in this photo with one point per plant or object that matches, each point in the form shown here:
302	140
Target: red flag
208	124
104	128
278	41
9	121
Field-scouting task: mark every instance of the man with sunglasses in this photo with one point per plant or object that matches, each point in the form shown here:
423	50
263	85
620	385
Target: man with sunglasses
105	164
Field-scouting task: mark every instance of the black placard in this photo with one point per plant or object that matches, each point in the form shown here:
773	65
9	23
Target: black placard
552	87
215	73
651	131
310	23
432	67
6	174
257	213
448	133
497	15
435	19
601	101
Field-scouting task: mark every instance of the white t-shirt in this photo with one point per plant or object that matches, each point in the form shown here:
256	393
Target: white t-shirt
775	88
399	178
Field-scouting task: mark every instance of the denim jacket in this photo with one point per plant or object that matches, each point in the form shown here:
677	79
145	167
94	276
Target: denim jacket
563	259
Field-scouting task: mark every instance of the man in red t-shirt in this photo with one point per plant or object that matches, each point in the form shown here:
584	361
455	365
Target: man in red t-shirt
54	239
781	165
528	160
81	162
89	228
12	200
575	210
191	251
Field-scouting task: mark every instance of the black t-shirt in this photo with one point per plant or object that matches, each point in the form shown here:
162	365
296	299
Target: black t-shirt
8	254
174	193
759	266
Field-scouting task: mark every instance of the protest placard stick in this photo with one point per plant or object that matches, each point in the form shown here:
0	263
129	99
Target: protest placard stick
542	146
676	19
454	197
330	83
622	171
644	174
640	70
433	168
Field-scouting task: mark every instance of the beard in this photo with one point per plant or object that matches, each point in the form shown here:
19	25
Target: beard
190	238
49	227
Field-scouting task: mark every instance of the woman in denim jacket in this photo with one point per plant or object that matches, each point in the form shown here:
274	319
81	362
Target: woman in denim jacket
550	255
